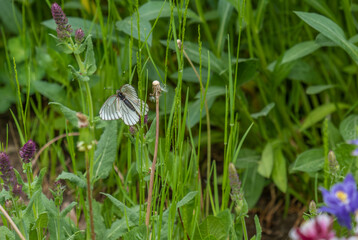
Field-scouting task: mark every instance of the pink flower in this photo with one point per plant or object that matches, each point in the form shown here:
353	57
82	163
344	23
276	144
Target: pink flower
315	229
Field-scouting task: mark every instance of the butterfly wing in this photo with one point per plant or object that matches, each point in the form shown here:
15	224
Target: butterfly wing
129	116
111	109
140	106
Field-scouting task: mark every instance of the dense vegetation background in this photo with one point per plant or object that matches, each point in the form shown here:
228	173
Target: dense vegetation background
276	91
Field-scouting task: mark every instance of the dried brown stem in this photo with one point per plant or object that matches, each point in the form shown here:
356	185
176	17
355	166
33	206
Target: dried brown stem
12	223
156	93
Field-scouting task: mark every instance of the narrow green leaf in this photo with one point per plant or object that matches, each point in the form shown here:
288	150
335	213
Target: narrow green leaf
267	159
320	113
69	114
187	199
247	71
78	181
309	161
37	183
68	209
144	29
90	60
349	128
318	89
331	30
264	112
106	151
279	174
258	228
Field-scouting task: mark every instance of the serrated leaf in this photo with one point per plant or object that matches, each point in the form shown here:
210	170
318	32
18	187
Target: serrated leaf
331	30
215	227
318	89
266	162
78	181
349	128
187	199
78	75
52	91
41	221
69	114
320	113
4	195
6	233
137	233
309	161
279	174
106	151
90	60
37	183
264	112
117	230
68	209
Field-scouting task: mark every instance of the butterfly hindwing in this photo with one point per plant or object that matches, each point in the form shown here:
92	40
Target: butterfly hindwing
111	109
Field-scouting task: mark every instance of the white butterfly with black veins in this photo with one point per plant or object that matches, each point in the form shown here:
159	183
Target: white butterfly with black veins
124	105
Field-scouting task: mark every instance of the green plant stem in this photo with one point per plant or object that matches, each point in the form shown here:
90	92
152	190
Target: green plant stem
12	223
89	195
244	230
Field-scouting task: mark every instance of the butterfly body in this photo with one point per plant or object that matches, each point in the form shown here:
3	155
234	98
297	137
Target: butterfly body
124	105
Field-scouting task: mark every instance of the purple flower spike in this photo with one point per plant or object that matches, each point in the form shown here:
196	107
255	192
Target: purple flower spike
8	175
79	35
63	28
341	200
27	152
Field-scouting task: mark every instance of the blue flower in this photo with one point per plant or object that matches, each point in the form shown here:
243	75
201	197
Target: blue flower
341	200
354	142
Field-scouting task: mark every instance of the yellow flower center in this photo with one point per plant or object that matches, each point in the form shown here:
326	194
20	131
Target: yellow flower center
342	196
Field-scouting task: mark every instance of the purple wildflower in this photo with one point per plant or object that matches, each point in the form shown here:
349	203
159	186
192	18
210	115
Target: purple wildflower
79	36
341	200
63	28
8	175
27	152
314	229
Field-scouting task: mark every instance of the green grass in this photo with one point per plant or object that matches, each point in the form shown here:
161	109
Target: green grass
272	85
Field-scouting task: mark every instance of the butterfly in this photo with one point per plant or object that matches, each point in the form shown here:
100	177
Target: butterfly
124	105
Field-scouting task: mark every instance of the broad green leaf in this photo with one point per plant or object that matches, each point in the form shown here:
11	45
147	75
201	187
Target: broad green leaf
78	181
18	50
320	113
41	221
298	51
318	89
137	233
187	199
331	30
213	91
225	10
52	91
106	151
99	225
37	183
267	159
69	114
194	111
6	233
215	227
247	158
321	6
349	128
189	75
253	185
246	71
309	161
279	174
117	230
10	16
69	207
192	49
144	29
90	60
264	112
344	157
151	10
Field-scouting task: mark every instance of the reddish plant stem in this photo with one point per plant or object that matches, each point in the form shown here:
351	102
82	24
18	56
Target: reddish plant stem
156	89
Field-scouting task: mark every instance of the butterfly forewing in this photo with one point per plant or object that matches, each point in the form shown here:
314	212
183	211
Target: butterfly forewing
125	105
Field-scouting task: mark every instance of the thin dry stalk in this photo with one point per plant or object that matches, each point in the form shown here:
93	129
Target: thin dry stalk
12	223
208	127
156	94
